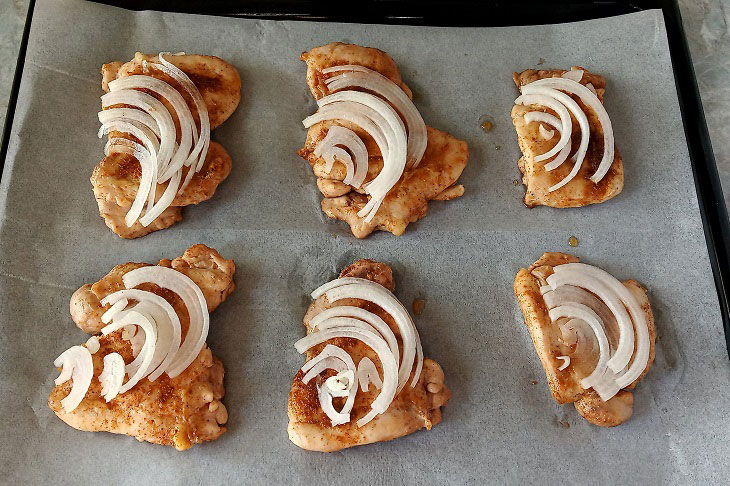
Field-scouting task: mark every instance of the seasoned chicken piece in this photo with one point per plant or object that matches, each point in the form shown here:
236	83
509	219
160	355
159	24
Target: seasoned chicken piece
580	191
179	411
407	202
116	178
411	410
546	336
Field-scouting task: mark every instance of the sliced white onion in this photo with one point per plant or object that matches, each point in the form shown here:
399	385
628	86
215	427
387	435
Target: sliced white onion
359	288
362	77
567	124
638	317
325	319
182	111
574	74
76	364
552	120
147	104
575	109
194	301
602	288
566	362
367	373
381	122
93	345
148	349
545	133
117	307
591	100
337	135
145	184
325	401
376	343
201	147
586	314
130	114
339	385
112	376
395	134
592	89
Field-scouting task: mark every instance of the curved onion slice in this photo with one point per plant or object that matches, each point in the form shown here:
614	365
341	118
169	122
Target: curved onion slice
201	147
148	349
575	276
117	307
552	120
112	376
145	183
343	157
379	119
574	74
575	109
376	343
567	293
325	401
194	301
584	313
591	100
182	111
567	124
640	326
130	114
168	324
367	373
545	133
359	288
566	362
373	320
362	77
154	108
340	384
93	345
76	364
337	135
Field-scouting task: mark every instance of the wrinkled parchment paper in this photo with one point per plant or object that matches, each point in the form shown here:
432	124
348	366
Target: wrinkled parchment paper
499	425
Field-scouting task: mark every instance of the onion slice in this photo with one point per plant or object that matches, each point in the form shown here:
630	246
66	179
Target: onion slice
77	365
112	376
195	304
566	362
367	373
362	77
337	135
591	100
638	317
552	120
586	314
148	349
567	124
359	288
580	116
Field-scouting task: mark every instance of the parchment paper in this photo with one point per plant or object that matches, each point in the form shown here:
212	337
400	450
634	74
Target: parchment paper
500	426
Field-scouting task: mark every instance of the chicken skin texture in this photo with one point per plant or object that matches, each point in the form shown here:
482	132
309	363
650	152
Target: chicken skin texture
565	385
412	409
580	191
116	178
178	412
433	179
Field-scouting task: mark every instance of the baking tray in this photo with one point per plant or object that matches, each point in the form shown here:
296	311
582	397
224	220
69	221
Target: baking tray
486	14
659	457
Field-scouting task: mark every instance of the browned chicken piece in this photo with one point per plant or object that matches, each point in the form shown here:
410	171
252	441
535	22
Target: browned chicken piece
116	178
565	385
179	411
411	410
580	191
407	202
